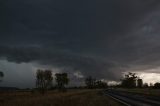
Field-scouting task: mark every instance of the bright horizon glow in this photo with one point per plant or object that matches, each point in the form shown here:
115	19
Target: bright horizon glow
149	77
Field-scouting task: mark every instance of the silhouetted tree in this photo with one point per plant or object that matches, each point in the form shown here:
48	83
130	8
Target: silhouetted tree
156	85
44	80
129	80
139	83
101	84
1	75
62	80
151	85
145	85
90	82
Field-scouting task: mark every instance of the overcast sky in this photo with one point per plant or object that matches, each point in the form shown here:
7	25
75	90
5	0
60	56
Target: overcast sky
101	38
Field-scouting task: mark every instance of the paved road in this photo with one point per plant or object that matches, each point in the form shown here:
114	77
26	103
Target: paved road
132	99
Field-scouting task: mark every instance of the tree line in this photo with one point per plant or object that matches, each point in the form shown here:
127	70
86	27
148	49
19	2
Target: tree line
44	79
131	80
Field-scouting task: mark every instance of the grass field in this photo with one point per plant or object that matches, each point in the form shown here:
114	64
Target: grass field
54	98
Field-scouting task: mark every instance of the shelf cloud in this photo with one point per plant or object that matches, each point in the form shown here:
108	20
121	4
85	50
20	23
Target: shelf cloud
102	38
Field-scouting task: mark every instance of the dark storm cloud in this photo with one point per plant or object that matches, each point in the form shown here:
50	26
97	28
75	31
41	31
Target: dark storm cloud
67	61
97	37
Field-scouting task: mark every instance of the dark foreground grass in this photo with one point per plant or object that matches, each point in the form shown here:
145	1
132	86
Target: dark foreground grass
53	98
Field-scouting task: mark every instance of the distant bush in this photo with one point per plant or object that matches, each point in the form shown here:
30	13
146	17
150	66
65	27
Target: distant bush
145	85
93	83
156	85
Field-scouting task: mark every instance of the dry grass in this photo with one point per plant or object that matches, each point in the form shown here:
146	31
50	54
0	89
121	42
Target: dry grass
53	98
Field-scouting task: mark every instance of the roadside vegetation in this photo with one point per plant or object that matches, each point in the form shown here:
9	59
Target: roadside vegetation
134	84
132	81
56	98
45	94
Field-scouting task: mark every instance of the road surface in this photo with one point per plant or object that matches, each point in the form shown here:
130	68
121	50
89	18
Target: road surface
132	99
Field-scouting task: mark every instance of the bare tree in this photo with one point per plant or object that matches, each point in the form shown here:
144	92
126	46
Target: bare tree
62	80
44	80
90	82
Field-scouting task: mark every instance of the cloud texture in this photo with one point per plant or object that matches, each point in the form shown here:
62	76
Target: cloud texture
102	38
